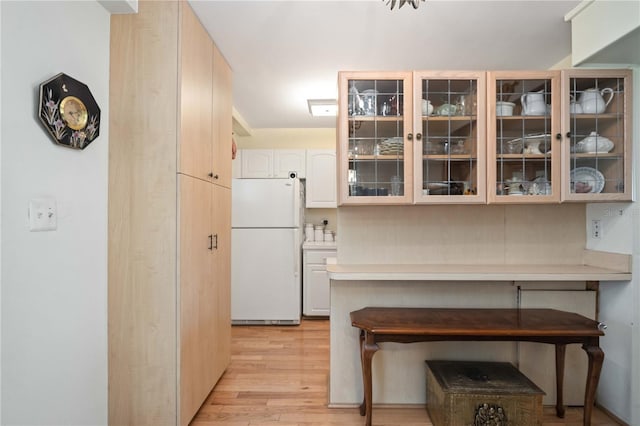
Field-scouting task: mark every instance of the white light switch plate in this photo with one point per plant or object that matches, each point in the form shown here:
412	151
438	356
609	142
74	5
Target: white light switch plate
43	215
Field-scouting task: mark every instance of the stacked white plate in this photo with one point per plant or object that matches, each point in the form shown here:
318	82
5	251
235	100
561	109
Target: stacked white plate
392	146
587	179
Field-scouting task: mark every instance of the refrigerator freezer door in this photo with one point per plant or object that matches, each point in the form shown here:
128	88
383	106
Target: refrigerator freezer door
265	276
266	203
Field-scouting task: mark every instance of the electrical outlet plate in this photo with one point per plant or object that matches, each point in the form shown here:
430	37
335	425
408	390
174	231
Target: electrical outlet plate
43	215
596	229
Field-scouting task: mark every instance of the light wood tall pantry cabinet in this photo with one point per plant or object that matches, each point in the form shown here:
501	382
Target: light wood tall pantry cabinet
169	215
411	137
476	137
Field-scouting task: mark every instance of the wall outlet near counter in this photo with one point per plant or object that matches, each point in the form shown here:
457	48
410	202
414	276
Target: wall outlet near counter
596	229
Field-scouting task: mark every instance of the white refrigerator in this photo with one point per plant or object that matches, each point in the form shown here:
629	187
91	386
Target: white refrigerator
266	241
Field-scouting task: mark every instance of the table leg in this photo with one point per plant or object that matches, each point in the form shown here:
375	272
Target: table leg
596	356
367	349
363	406
560	351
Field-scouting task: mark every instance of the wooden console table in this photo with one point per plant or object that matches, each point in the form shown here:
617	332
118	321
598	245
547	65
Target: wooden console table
408	325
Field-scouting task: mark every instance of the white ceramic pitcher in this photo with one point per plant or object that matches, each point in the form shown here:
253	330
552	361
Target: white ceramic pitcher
533	104
592	100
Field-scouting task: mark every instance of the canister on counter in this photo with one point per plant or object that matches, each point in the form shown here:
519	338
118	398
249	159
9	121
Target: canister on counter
308	232
319	233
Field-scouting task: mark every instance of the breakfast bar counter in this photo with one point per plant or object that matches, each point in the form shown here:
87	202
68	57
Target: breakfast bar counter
398	371
381	272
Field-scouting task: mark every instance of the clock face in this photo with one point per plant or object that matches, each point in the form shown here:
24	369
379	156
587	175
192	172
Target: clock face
73	112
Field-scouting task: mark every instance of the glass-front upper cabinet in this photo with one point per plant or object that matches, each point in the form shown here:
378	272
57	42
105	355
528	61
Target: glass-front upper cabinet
375	113
524	139
597	124
450	131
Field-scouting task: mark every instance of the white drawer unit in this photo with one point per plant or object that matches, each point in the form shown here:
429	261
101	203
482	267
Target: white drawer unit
315	284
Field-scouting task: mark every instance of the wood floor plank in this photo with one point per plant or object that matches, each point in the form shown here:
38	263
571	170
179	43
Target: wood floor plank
278	376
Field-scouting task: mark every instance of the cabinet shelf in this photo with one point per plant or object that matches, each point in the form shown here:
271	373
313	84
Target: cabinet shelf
452	157
614	116
600	156
356	118
519	157
449	118
376	157
523	117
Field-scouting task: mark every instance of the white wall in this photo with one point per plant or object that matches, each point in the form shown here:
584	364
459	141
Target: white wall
54	284
619	388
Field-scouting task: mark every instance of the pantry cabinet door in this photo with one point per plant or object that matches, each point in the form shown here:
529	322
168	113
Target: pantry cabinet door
196	88
197	298
221	308
222	121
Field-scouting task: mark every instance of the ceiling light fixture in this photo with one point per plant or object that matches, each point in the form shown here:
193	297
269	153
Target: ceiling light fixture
323	107
401	3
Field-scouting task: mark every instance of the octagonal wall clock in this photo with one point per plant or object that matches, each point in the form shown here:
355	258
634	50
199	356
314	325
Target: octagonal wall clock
69	112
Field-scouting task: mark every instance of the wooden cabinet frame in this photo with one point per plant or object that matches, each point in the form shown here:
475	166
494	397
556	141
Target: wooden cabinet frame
614	123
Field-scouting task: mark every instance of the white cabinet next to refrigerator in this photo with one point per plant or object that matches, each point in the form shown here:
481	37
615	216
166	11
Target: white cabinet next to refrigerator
315	282
321	191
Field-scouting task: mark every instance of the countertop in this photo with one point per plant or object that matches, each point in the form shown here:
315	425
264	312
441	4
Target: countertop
319	245
596	266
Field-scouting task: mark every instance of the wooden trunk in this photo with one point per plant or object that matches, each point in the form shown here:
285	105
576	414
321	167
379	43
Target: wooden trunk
474	393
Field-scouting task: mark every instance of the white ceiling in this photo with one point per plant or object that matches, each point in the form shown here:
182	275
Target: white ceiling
285	52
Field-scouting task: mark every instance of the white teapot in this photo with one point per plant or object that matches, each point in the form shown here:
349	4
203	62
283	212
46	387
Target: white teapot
592	100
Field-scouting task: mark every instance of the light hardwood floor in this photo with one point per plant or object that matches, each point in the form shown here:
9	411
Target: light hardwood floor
278	376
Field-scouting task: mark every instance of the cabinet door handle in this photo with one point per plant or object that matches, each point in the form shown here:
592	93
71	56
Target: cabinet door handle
558	136
568	135
210	174
215	176
419	136
215	245
410	136
211	242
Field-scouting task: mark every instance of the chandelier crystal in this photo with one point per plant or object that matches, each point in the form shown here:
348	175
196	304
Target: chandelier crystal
401	3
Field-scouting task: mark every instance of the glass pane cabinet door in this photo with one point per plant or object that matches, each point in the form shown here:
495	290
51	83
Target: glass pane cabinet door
374	125
524	152
597	104
450	137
